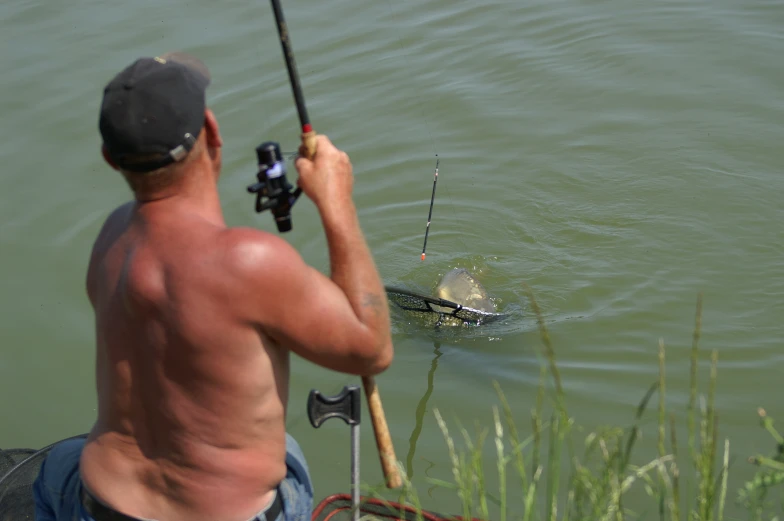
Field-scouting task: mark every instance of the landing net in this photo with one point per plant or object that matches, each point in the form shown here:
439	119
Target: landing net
18	470
339	508
418	303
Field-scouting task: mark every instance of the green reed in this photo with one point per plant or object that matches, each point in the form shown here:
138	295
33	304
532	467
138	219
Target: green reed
542	477
763	492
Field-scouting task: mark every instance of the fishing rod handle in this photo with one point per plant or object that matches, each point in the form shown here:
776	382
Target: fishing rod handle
386	450
309	143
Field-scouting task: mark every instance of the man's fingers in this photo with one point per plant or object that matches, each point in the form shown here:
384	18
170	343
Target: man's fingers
303	151
303	165
325	151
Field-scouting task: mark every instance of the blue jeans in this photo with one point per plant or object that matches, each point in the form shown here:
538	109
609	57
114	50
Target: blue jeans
57	488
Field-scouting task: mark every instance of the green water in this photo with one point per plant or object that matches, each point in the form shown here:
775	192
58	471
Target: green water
618	157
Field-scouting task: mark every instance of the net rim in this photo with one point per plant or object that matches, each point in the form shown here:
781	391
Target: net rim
35	454
436	301
364	500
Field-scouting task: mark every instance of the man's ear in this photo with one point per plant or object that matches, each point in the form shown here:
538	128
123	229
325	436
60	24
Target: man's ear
108	159
213	136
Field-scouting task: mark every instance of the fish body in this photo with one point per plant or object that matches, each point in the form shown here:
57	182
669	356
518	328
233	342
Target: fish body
460	287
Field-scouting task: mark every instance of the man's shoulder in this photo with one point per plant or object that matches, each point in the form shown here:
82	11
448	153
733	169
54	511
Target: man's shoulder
119	215
113	225
249	252
111	228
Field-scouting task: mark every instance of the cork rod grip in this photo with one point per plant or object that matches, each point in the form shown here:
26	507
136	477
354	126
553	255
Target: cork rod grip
309	143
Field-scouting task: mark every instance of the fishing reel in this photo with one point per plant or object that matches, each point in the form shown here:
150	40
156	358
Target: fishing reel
274	186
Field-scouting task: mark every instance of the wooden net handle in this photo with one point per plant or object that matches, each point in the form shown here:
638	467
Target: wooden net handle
386	451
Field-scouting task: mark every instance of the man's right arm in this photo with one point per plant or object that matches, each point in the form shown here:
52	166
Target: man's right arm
354	271
341	322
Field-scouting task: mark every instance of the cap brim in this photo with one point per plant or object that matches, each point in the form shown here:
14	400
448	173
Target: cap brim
189	61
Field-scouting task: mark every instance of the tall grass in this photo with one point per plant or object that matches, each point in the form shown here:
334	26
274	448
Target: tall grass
543	477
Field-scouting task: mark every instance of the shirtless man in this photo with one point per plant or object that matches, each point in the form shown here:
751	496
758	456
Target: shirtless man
195	321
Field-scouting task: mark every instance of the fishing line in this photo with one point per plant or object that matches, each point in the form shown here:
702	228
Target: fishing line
435	176
402	51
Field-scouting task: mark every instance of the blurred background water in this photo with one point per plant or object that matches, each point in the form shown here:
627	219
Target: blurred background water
617	157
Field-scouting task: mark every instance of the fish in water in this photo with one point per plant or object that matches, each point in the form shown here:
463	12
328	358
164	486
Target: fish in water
460	287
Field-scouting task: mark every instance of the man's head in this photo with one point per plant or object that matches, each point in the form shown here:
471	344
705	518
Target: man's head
153	115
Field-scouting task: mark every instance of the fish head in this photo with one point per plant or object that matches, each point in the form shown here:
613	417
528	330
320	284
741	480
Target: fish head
461	287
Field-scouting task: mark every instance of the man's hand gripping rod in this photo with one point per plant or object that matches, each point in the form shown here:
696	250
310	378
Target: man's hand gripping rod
383	439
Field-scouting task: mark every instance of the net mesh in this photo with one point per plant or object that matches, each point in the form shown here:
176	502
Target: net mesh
339	508
444	309
18	466
18	470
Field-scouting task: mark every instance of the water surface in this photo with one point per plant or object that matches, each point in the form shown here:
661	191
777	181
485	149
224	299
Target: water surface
616	157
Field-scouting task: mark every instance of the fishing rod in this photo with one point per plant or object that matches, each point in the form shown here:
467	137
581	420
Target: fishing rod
308	134
271	174
272	184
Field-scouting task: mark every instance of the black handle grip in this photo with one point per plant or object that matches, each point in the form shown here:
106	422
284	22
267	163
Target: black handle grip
345	406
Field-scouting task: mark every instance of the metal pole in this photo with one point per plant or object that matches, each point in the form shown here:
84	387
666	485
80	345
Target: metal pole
345	406
355	469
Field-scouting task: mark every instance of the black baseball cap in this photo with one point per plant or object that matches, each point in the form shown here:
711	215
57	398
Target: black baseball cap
153	110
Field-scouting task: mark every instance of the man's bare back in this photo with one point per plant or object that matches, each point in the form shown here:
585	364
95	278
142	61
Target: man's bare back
192	396
194	324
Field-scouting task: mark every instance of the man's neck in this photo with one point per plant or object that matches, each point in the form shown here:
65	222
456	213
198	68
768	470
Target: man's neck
195	192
